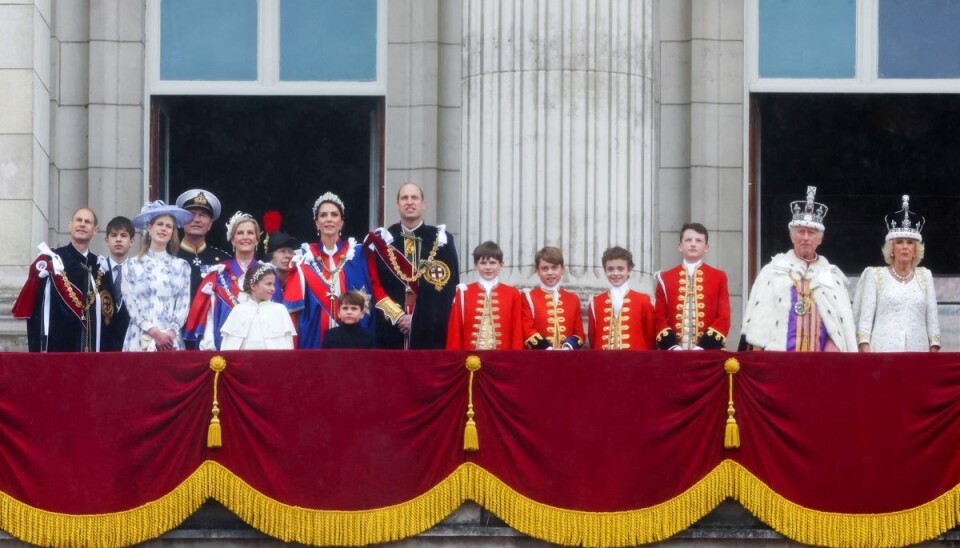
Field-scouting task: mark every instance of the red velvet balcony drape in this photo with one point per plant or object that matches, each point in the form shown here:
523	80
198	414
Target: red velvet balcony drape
594	448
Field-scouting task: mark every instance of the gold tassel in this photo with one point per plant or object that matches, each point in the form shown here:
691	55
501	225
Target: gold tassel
471	440
731	434
214	435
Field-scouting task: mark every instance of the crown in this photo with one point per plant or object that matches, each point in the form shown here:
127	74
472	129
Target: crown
328	197
904	223
807	212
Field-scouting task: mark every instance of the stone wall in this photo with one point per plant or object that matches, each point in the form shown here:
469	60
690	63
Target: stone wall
700	134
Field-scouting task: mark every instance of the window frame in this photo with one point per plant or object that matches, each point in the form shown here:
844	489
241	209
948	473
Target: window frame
866	79
268	80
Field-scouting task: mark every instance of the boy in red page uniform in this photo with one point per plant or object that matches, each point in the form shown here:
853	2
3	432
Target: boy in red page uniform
551	315
486	313
620	318
693	305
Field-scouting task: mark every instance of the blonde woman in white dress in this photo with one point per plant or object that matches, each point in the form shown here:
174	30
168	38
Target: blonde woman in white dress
895	305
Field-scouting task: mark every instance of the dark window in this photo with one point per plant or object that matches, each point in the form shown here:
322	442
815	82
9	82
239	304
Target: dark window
263	153
862	152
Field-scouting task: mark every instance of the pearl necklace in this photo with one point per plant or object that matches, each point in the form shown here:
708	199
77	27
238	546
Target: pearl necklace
902	279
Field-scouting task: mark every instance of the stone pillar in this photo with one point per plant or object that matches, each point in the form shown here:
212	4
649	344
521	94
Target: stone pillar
423	107
69	107
116	114
558	123
25	84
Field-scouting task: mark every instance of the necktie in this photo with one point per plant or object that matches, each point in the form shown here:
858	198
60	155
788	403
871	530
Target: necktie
117	282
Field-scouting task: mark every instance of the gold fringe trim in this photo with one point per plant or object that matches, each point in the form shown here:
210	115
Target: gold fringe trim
335	527
132	526
796	522
471	482
601	529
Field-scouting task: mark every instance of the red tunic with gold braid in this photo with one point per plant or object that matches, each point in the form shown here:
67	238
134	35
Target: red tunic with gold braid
692	315
551	321
479	323
631	330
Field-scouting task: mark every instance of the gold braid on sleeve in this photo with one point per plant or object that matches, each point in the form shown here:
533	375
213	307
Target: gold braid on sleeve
390	309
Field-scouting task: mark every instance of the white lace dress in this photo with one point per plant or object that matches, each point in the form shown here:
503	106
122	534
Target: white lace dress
896	317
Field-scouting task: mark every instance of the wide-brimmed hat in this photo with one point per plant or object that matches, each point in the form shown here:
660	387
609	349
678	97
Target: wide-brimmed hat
197	198
152	210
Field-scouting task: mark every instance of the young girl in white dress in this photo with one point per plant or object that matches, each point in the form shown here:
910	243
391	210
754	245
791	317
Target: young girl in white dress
257	323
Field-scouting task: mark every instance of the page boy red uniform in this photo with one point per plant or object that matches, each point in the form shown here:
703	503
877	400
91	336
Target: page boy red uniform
481	323
632	329
692	310
552	317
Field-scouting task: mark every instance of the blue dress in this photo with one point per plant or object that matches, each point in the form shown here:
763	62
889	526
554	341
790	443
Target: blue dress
316	280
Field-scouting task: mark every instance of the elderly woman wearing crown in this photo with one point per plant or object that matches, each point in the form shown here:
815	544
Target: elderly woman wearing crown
220	288
321	272
895	305
799	302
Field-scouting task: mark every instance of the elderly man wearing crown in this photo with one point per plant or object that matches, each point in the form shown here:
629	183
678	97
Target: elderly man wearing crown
895	305
416	265
799	302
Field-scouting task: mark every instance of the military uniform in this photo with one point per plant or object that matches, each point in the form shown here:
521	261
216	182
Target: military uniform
418	271
692	308
200	260
203	257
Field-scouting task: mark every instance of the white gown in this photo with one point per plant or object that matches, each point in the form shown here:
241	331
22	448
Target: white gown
258	326
896	317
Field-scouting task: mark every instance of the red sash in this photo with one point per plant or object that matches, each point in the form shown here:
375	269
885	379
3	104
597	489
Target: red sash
317	285
385	250
201	306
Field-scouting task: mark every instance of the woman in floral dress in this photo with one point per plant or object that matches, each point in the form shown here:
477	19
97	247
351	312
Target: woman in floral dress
156	284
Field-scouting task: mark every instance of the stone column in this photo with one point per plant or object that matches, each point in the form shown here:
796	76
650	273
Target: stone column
557	140
25	84
116	117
